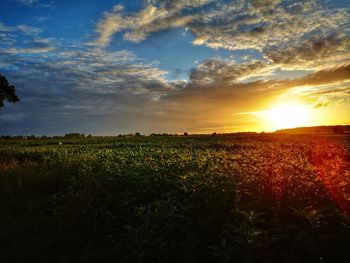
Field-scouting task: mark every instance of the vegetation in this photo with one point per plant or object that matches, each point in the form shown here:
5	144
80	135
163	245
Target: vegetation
222	198
332	129
7	92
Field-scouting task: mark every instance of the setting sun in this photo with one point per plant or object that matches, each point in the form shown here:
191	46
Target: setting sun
287	115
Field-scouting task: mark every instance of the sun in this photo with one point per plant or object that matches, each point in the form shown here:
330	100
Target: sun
286	115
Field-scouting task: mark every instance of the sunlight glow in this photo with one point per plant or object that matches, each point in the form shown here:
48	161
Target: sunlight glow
286	115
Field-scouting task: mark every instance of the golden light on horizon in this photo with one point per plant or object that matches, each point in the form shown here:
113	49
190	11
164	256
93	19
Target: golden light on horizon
286	115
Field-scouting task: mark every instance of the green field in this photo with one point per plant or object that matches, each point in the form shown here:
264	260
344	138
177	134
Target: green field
223	198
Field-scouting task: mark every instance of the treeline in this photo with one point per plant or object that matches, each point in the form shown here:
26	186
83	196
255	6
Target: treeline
334	129
33	137
83	136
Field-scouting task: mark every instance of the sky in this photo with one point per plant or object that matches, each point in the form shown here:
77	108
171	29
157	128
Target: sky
172	66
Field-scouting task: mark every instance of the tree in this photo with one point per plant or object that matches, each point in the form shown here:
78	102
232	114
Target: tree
7	92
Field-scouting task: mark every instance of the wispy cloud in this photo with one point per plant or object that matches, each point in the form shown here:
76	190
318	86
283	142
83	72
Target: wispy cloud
218	70
24	39
33	50
156	16
295	35
37	3
24	29
27	2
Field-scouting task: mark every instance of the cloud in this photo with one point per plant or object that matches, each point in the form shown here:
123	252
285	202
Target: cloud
321	51
323	88
323	77
261	5
24	29
24	39
294	35
27	2
238	25
29	50
37	3
218	71
156	16
82	84
218	100
28	30
109	92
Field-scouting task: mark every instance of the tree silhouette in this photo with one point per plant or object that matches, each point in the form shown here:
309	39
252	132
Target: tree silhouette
7	92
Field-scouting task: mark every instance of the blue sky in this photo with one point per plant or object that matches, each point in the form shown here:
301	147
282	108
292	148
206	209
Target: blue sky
109	67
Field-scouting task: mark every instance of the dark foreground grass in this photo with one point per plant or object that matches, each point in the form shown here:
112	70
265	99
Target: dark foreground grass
241	198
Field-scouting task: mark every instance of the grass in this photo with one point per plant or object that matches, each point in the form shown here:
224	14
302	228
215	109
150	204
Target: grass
223	198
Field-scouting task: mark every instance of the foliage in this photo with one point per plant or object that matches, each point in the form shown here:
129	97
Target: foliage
7	92
238	198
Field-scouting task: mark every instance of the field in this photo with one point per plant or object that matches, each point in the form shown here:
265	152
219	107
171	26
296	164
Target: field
222	198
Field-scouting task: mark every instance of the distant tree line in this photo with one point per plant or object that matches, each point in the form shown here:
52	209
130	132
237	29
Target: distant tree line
83	136
33	137
74	136
333	129
168	134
